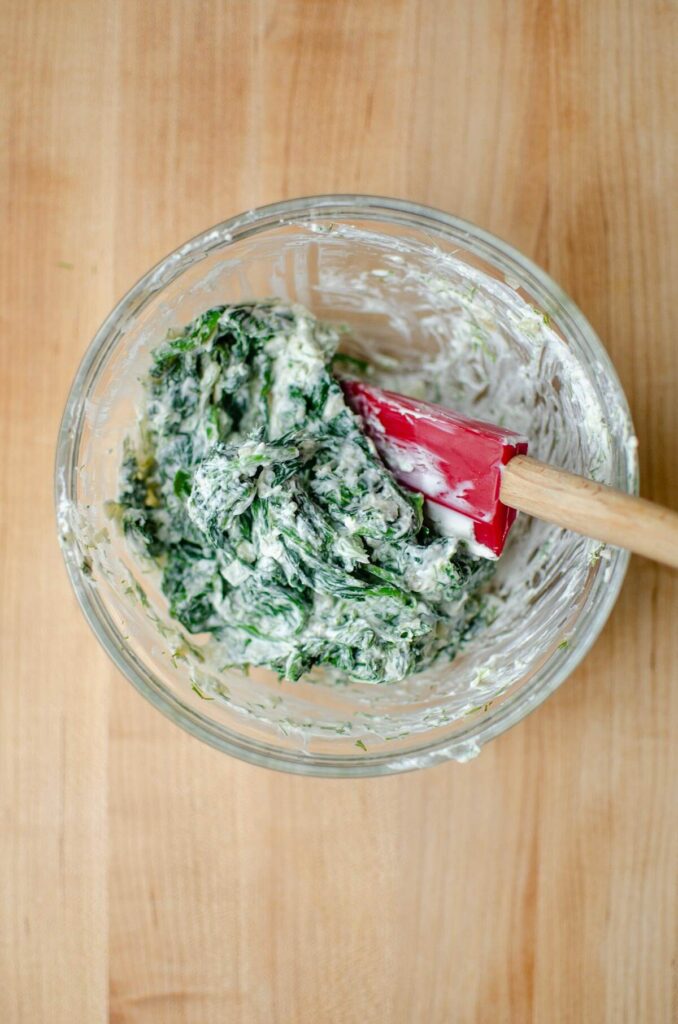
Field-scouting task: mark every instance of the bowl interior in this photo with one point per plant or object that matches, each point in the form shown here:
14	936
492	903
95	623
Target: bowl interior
444	315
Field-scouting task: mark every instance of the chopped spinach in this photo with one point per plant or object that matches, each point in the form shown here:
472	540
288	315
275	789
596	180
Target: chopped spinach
275	524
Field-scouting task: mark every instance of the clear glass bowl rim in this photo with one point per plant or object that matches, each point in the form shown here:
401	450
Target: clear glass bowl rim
397	212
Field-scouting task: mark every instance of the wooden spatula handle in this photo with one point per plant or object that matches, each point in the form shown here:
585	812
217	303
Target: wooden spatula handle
591	508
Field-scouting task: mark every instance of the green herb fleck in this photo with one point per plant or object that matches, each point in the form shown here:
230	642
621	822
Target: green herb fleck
341	359
182	483
196	689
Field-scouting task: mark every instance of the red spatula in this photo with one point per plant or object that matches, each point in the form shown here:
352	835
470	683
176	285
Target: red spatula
476	476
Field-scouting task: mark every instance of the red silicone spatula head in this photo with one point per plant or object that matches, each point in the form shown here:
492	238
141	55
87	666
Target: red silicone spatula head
454	461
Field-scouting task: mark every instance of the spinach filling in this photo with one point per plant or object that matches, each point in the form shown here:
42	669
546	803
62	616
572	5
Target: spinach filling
276	526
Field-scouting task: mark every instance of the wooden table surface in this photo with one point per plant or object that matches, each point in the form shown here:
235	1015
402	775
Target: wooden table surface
146	878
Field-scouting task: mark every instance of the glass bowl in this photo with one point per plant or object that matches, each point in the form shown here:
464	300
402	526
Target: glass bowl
427	297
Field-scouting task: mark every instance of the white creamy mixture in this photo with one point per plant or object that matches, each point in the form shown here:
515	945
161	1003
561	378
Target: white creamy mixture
277	527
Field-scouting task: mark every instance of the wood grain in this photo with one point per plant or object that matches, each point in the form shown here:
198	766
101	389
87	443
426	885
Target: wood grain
145	878
590	508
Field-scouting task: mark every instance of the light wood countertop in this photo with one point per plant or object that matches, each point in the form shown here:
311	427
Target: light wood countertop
146	878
